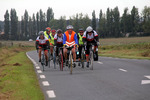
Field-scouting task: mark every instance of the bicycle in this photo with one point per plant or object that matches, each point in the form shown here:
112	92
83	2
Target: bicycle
59	58
70	60
91	49
49	57
83	56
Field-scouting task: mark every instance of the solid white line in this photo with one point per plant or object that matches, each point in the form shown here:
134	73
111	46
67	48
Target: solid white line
45	83
51	94
147	76
122	70
100	62
145	82
39	71
42	76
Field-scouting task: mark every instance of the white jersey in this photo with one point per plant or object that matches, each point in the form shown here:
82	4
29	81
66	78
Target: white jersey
42	41
90	37
59	39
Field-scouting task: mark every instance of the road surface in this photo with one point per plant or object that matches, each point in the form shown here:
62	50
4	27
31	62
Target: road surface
111	79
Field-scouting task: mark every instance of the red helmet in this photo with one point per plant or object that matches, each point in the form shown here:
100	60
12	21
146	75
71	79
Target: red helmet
53	30
48	29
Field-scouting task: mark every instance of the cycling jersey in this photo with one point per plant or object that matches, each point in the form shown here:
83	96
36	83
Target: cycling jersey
48	36
58	39
80	39
70	39
51	39
87	37
42	41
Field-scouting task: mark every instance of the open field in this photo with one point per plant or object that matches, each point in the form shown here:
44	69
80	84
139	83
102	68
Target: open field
122	41
133	48
18	80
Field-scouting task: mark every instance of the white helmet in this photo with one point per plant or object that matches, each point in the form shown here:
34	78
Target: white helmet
69	27
89	29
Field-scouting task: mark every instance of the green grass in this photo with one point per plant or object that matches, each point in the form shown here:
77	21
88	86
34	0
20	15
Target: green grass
132	51
18	80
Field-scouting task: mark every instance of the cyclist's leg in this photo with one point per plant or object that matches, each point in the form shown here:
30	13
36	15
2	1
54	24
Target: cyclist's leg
74	54
51	48
40	50
65	53
46	54
80	49
87	53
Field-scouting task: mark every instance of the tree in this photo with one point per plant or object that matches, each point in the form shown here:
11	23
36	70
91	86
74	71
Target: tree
134	20
14	24
102	25
37	22
22	35
6	25
146	18
34	27
50	15
26	23
116	22
94	20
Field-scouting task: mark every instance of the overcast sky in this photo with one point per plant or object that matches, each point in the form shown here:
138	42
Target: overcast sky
68	7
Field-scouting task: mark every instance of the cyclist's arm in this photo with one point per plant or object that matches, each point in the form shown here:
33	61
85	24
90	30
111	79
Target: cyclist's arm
84	37
55	40
96	36
64	39
76	39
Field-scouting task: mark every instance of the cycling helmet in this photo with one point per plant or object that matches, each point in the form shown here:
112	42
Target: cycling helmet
81	30
59	31
53	30
48	29
89	29
69	27
41	33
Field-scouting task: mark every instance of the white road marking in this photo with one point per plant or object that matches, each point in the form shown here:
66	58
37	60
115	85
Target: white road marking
147	76
51	94
39	71
145	82
45	83
122	70
42	76
100	62
38	67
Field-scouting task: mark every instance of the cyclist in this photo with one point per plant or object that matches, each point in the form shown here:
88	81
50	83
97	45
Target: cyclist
80	36
58	40
42	42
52	40
70	39
47	33
90	36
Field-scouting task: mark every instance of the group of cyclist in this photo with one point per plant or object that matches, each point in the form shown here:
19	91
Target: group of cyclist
51	39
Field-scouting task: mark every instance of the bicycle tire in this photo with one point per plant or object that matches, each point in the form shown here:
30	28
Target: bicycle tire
43	61
82	58
54	59
91	58
49	59
70	57
61	61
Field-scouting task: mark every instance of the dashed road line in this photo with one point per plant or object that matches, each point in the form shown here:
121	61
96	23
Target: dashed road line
39	71
45	83
42	76
122	70
147	76
145	82
37	67
100	62
51	94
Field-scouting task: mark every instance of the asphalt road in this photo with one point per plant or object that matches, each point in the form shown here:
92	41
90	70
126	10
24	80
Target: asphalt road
111	79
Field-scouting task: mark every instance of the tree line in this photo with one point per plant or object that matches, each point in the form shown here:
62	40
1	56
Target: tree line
109	24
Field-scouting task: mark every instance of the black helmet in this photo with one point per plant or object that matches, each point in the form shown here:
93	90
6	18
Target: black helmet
59	31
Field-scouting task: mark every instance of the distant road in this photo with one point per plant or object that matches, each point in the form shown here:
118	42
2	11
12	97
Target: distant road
111	79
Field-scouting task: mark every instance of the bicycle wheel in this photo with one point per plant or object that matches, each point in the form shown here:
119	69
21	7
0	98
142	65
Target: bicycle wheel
54	59
49	59
70	59
43	61
61	61
82	58
91	60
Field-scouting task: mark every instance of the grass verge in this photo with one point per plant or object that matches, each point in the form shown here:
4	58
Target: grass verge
131	51
18	80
